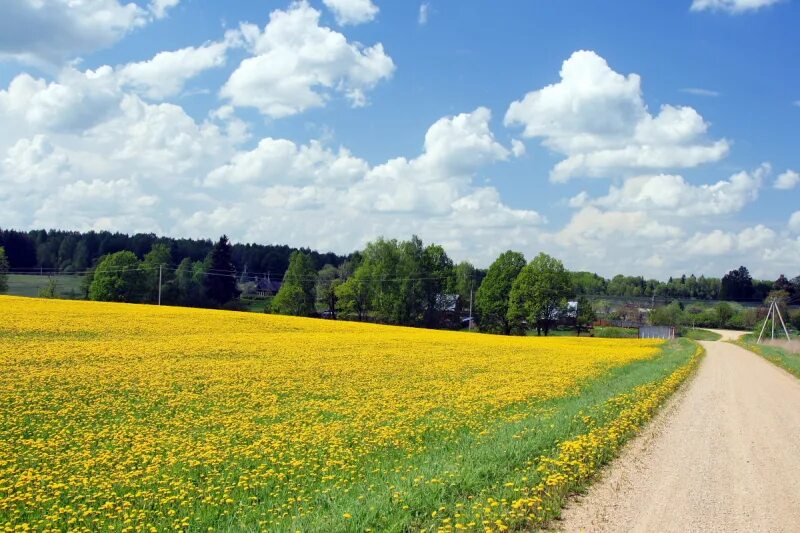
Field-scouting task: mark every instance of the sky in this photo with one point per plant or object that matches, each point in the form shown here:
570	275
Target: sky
652	138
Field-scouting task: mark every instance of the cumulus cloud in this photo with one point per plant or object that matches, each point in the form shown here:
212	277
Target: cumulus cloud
296	64
352	11
731	6
673	195
794	222
76	101
787	180
437	182
719	242
53	31
281	161
166	73
597	118
331	199
159	8
141	166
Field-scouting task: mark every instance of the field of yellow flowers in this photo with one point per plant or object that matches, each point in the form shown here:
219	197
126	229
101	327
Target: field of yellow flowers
120	417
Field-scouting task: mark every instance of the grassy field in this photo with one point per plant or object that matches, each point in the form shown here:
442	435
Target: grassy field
30	285
143	418
612	332
700	334
785	359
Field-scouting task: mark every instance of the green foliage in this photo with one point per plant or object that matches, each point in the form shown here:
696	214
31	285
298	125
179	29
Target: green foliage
736	285
667	315
438	278
795	320
724	313
585	314
220	283
4	267
588	283
354	295
296	295
159	256
118	278
50	290
400	282
492	298
328	279
539	293
466	281
611	332
700	334
188	282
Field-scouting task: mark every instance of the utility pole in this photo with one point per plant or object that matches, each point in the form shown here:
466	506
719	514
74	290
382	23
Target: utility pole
773	310
159	284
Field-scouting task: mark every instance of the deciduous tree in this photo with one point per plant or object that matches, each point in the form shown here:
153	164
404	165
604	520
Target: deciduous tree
539	293
118	278
584	315
491	300
296	295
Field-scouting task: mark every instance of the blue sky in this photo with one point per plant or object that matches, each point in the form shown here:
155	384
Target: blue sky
633	137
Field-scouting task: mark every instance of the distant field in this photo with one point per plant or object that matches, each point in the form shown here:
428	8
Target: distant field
145	418
29	285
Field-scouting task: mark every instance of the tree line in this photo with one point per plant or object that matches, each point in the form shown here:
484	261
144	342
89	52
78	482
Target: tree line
389	281
73	251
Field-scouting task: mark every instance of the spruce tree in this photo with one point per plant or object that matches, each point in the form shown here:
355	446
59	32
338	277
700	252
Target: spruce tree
220	280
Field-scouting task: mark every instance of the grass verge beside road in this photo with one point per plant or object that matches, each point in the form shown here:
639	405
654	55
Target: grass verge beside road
701	335
783	358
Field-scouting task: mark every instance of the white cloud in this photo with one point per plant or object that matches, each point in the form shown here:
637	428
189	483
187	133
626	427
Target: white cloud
672	195
787	181
700	92
794	222
755	237
280	161
352	11
598	119
436	182
77	101
151	167
424	9
517	147
719	242
159	8
166	73
591	227
297	64
716	242
49	32
731	6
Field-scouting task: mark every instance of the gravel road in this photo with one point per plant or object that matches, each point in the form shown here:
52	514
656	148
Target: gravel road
723	455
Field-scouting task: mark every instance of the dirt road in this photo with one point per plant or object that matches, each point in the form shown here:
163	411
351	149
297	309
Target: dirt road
723	455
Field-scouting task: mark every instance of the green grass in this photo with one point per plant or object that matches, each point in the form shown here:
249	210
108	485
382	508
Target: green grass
608	332
475	466
783	358
701	335
67	286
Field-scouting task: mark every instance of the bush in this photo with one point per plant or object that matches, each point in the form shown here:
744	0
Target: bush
744	319
795	320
